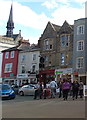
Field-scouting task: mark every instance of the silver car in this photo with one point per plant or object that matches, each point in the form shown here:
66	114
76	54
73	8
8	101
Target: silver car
27	90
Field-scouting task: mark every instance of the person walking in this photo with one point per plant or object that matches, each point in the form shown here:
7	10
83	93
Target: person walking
75	89
65	87
53	86
41	90
60	88
81	89
37	90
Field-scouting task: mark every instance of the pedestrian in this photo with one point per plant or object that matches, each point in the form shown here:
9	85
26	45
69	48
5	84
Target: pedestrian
75	89
41	90
81	89
60	88
37	91
65	87
53	86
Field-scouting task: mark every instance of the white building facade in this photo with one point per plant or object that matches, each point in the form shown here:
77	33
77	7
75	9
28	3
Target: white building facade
28	66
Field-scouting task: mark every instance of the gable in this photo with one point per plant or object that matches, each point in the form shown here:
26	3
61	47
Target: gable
65	28
49	31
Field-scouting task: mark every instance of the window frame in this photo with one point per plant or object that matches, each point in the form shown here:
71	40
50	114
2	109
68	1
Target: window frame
12	54
8	69
81	64
80	29
81	46
6	55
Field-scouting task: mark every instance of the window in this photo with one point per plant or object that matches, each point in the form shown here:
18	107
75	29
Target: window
79	63
64	40
46	44
23	69
12	54
62	58
34	56
80	29
33	68
80	45
7	55
46	58
23	58
51	47
8	67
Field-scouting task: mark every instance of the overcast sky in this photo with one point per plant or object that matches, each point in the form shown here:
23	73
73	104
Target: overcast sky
32	16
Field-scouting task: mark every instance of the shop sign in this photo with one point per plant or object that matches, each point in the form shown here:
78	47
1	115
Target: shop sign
22	76
57	72
11	74
63	71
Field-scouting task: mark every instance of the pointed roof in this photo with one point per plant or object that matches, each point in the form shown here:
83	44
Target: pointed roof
11	15
66	27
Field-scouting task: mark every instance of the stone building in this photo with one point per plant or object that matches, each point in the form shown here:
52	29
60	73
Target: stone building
56	45
64	52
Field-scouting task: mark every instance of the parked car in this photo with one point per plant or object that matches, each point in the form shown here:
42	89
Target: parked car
27	90
6	92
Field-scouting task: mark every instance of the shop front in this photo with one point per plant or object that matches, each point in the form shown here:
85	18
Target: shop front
23	79
63	73
46	75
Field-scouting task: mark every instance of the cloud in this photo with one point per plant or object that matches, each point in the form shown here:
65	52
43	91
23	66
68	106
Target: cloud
50	4
67	13
23	15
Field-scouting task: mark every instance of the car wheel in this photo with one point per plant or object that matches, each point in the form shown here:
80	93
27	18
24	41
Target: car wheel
21	93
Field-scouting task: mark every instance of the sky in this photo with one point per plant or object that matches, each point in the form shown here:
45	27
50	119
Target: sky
32	16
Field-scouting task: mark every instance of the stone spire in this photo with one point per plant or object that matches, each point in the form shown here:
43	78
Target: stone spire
10	24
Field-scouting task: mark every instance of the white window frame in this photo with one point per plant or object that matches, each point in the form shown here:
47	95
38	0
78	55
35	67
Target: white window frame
7	55
33	70
79	62
34	57
65	40
80	45
8	67
80	29
23	58
46	44
12	54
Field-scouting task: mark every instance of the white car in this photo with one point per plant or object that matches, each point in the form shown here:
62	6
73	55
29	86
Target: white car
27	90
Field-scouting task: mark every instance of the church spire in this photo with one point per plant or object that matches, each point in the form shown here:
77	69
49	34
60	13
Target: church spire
10	24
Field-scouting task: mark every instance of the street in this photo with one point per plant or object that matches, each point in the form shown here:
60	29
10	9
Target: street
26	107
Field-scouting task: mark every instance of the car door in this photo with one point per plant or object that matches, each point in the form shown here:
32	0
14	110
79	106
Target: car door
30	90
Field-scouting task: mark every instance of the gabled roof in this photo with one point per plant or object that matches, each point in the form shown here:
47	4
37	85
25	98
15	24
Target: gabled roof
57	27
66	27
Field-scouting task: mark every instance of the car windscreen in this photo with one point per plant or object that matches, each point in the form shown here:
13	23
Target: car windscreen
6	87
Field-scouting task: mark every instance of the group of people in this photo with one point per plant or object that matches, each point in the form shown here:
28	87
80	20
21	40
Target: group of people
64	88
74	89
